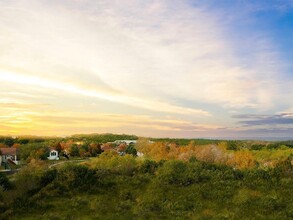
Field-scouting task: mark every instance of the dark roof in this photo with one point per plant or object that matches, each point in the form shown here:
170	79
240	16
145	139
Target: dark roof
8	151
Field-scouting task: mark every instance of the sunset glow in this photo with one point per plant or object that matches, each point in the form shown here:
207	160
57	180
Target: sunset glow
150	68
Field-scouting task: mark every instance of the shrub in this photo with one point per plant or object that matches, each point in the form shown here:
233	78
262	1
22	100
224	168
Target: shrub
34	151
117	164
5	184
174	172
148	166
48	176
75	176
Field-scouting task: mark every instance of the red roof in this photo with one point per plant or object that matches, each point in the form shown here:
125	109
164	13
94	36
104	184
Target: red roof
8	151
106	148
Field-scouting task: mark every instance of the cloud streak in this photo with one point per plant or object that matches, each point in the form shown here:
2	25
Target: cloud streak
64	123
190	62
150	49
255	120
132	101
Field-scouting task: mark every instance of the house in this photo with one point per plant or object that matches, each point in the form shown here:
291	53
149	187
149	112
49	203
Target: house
107	147
8	153
53	155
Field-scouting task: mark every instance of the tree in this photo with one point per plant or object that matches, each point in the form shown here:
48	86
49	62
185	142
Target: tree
9	141
231	145
3	145
148	166
242	160
131	150
95	149
57	146
74	151
16	145
143	145
23	140
34	150
82	152
41	153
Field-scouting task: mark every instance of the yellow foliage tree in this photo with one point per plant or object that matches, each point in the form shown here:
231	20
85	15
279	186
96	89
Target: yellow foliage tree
242	160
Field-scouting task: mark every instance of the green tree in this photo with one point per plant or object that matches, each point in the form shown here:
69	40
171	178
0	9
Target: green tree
9	141
74	151
131	150
232	145
34	150
23	140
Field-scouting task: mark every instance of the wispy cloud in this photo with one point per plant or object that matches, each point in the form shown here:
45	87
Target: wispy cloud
150	49
129	100
145	56
277	119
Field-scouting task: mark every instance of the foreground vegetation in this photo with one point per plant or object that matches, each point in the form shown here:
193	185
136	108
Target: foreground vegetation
175	179
114	187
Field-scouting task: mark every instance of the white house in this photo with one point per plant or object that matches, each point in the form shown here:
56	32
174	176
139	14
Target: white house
8	154
53	155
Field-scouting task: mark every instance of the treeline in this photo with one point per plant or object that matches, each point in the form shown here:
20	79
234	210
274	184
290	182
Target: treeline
104	138
238	154
98	138
113	187
258	145
185	141
8	141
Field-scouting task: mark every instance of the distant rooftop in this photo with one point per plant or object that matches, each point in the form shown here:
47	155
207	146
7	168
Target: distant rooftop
8	151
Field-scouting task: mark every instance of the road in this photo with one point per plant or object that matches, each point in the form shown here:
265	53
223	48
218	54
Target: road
67	161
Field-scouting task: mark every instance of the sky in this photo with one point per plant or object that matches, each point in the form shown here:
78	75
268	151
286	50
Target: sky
158	68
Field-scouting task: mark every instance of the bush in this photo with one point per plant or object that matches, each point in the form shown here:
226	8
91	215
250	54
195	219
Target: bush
75	176
34	151
148	166
117	164
175	172
5	184
48	177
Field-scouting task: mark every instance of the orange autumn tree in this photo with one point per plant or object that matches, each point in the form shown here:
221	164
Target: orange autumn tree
242	160
208	153
158	151
169	151
143	145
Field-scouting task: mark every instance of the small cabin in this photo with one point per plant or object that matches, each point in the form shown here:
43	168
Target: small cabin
53	155
8	154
